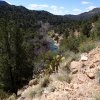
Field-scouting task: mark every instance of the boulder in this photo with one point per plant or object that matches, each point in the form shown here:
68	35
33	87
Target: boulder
84	58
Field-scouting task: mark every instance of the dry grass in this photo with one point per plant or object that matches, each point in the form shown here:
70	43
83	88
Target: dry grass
96	96
70	54
87	46
36	92
63	76
3	95
45	81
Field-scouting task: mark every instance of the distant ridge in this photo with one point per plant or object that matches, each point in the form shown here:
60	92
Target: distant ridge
82	16
85	15
3	2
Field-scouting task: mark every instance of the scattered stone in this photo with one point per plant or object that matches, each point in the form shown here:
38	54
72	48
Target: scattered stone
68	89
84	58
92	66
90	75
19	92
75	86
25	87
74	71
21	98
75	66
49	89
33	82
83	65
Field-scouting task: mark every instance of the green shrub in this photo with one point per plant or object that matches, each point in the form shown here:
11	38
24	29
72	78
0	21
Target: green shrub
86	46
65	66
71	43
95	34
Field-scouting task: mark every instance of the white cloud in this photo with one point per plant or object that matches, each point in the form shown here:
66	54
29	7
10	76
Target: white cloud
90	8
37	6
86	2
52	9
76	11
8	2
58	10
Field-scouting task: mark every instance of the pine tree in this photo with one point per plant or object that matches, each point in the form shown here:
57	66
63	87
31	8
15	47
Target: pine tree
23	69
15	70
7	77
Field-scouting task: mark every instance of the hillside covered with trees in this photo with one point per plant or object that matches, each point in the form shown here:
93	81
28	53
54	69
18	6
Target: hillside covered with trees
24	44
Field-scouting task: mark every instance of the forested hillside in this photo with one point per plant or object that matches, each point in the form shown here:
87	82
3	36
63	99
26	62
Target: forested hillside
24	44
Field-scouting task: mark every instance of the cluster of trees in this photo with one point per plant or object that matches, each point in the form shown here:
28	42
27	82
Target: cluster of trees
15	69
19	53
89	31
24	46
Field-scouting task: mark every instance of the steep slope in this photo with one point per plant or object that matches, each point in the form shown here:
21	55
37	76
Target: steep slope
84	85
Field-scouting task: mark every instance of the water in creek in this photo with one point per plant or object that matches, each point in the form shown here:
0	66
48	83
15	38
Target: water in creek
53	47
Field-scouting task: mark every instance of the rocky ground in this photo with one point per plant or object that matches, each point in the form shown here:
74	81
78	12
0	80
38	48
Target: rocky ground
84	85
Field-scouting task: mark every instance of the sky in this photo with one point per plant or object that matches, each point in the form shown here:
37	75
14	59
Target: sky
58	7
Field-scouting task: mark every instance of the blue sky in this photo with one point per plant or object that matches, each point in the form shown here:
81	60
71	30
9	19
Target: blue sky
58	7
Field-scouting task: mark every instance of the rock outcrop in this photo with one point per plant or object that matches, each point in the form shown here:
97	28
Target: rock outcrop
83	85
